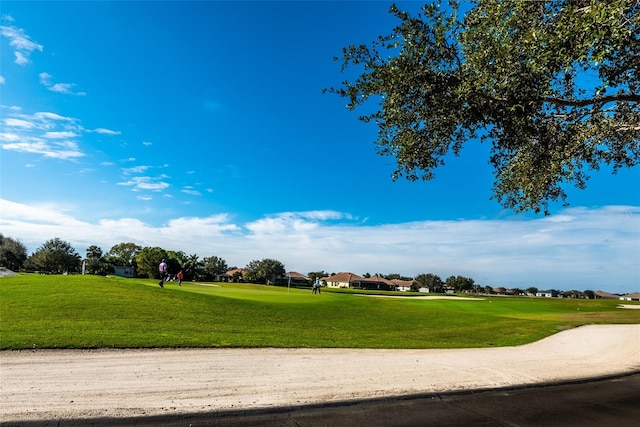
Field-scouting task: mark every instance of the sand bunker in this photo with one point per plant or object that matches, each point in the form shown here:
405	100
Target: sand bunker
629	306
5	272
64	384
422	297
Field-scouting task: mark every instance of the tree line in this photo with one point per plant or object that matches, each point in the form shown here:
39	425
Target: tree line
58	256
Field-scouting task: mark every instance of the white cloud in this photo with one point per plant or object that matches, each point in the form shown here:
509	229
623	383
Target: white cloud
18	123
46	115
191	191
2	80
45	79
145	183
64	88
43	133
135	169
106	131
65	150
59	135
9	137
40	120
597	249
21	42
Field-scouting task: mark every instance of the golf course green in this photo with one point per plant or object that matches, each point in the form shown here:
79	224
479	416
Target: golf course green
84	311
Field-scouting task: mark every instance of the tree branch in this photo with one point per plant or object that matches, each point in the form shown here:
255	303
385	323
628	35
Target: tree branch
631	97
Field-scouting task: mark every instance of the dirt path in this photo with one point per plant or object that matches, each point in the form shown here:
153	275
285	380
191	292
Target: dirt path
51	384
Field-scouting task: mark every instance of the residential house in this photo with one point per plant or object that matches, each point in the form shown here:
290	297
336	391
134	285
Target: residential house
123	271
547	294
375	283
403	285
604	295
296	279
341	280
234	275
635	296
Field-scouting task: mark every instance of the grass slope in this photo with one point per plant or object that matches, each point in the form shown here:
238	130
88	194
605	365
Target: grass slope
98	312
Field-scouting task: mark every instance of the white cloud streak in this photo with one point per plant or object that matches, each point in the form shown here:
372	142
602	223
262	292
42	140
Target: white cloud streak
21	43
63	88
579	249
145	183
106	131
191	191
55	150
43	133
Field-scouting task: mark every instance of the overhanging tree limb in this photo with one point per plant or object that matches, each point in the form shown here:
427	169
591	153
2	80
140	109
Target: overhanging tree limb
531	78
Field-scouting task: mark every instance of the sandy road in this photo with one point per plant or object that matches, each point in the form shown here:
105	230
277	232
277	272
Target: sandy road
66	384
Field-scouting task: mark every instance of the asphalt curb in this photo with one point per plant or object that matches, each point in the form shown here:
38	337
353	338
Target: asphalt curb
436	408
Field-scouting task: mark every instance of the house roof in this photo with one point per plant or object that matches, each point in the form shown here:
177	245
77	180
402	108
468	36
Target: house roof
295	275
603	294
231	272
399	282
377	279
632	295
345	277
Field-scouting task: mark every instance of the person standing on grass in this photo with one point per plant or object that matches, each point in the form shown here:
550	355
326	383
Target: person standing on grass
180	276
162	269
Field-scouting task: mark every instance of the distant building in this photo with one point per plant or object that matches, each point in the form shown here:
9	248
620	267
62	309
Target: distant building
342	280
235	275
123	271
375	283
631	297
296	279
605	295
403	285
547	294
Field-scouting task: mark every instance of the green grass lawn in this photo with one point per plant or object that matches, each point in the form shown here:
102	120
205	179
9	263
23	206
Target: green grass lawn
96	312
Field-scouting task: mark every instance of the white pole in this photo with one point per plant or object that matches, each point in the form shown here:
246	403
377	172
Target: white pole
289	285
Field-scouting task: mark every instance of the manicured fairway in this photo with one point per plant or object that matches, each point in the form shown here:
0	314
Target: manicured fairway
95	312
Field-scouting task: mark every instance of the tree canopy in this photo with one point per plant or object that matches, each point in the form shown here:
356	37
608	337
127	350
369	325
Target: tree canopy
214	266
55	255
13	253
553	86
123	254
148	260
95	263
264	271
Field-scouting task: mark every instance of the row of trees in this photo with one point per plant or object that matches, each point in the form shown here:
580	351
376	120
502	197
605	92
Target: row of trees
58	256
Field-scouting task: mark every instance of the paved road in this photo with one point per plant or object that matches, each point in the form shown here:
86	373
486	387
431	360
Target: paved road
605	402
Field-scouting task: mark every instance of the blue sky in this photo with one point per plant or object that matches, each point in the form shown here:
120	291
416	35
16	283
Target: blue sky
202	127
